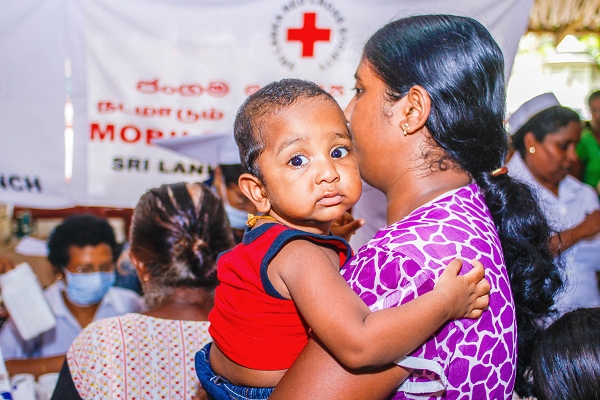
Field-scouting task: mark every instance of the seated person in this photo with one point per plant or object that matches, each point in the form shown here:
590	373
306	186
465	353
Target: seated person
178	231
82	249
221	153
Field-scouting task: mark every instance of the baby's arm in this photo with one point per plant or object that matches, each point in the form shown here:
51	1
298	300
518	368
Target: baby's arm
346	326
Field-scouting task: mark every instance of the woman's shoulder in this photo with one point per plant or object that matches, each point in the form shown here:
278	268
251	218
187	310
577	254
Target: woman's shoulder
462	208
90	337
101	326
436	229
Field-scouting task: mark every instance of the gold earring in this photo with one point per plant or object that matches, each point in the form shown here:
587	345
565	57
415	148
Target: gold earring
405	129
145	278
532	149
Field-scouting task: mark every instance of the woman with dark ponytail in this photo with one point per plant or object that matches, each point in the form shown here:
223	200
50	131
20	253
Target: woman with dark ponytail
177	232
427	125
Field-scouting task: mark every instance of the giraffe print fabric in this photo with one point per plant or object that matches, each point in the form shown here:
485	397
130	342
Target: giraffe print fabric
472	359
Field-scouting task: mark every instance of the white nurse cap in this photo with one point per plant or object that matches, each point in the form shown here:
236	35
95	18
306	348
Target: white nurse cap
529	109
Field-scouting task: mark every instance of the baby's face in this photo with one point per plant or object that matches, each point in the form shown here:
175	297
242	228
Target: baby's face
308	165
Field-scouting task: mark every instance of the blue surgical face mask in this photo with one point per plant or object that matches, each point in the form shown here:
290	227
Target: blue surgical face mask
237	217
87	289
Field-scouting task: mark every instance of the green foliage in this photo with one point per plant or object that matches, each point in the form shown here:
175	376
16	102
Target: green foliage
592	45
544	44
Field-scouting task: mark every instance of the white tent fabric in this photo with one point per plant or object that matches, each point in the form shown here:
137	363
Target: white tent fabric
32	100
137	70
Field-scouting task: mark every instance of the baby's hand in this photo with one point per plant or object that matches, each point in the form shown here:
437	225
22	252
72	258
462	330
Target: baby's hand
346	225
468	294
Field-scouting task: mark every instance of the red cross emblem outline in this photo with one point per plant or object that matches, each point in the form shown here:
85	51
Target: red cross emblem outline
309	34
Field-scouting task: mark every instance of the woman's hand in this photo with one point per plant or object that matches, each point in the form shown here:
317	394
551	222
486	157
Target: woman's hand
588	228
201	395
468	294
346	225
316	375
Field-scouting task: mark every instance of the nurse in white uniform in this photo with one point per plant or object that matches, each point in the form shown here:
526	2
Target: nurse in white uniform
545	135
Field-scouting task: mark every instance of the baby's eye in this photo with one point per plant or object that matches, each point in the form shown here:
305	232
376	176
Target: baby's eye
357	90
339	152
298	161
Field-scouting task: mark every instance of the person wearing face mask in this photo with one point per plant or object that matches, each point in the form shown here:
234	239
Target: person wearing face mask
178	230
237	205
82	250
221	153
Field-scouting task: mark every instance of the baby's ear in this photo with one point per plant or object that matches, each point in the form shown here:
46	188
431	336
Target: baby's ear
253	188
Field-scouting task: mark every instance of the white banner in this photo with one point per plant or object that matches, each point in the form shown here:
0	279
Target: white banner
144	69
32	101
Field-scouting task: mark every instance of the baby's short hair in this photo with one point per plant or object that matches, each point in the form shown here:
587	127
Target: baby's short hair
251	118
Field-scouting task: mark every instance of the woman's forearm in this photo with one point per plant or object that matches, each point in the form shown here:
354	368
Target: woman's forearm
561	241
317	375
588	228
35	366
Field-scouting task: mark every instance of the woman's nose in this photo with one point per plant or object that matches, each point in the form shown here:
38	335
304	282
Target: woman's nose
572	153
348	110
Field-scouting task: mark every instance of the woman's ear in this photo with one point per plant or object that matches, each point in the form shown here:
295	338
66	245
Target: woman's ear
417	107
253	188
530	142
140	268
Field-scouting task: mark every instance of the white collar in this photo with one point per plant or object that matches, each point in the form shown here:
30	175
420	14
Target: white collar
568	188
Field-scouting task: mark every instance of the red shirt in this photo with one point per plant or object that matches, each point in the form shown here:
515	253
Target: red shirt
251	322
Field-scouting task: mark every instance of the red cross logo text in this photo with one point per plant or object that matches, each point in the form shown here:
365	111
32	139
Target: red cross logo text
308	34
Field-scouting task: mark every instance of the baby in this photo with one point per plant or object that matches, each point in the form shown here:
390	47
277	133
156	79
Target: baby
282	283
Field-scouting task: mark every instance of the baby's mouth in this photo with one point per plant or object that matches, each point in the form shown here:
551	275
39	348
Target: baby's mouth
331	199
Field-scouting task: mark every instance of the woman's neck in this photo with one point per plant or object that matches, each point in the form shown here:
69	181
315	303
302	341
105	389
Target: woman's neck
595	129
190	304
418	188
551	186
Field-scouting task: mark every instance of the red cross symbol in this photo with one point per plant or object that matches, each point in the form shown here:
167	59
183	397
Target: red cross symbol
308	34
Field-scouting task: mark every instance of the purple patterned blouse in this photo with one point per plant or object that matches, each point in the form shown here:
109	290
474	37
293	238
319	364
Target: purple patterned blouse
465	359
